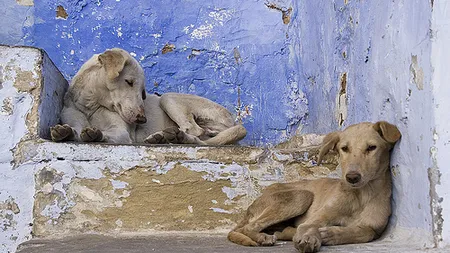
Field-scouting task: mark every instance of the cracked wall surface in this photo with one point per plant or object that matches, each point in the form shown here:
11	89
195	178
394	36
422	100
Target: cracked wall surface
111	189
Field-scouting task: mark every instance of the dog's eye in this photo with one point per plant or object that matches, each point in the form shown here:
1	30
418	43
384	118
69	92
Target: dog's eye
129	82
371	148
344	149
144	95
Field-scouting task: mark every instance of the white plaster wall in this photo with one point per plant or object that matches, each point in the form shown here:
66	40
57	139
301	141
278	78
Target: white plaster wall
440	59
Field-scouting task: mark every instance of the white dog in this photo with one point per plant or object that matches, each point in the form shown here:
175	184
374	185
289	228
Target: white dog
107	102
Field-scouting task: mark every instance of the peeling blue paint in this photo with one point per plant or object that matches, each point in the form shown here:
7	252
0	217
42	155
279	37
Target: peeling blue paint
237	53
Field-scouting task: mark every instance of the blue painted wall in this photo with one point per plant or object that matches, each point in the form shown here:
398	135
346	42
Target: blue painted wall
237	53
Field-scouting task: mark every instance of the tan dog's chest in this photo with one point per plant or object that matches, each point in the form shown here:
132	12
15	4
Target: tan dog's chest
335	207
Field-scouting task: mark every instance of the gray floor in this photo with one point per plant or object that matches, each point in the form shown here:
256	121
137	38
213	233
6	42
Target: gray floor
169	243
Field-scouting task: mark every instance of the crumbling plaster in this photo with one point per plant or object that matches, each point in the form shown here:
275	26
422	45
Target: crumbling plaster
108	188
30	100
19	75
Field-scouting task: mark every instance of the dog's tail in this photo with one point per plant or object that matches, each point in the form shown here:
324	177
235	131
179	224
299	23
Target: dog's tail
241	239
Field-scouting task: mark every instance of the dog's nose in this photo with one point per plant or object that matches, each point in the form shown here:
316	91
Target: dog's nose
140	119
353	177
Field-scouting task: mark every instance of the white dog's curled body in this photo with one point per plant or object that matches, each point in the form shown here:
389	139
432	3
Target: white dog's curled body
107	102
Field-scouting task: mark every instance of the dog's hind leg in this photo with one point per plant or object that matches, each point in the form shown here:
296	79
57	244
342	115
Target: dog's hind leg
180	114
273	208
228	136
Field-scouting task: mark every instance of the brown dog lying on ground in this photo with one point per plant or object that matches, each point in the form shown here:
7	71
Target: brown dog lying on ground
354	209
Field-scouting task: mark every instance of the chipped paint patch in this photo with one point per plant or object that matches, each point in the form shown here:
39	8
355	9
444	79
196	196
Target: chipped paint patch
7	106
221	16
220	210
286	12
341	100
202	32
61	12
116	184
417	75
243	112
25	2
168	48
9	205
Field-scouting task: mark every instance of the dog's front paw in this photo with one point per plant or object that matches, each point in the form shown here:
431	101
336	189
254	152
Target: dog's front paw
266	240
156	138
174	135
91	134
61	133
330	235
307	243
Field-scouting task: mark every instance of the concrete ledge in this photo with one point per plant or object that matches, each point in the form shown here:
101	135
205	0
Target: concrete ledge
195	243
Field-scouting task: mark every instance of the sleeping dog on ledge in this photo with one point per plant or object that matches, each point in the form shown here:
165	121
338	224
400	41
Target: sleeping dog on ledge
107	102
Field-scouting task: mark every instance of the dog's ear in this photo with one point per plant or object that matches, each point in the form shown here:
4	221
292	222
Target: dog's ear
388	132
113	62
328	143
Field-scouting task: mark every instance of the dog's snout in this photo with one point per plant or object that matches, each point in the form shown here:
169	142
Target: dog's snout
353	177
140	119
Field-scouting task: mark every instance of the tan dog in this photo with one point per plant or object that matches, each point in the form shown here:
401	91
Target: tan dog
354	209
107	102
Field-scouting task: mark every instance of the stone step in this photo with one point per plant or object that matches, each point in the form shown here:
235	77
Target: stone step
123	188
195	243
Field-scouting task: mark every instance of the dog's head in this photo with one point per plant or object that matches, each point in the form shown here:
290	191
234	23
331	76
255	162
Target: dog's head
125	82
363	150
